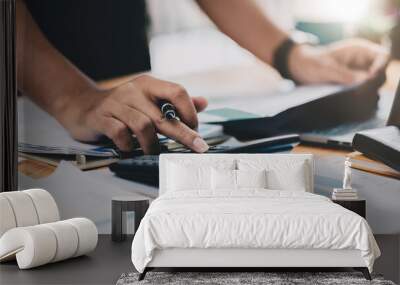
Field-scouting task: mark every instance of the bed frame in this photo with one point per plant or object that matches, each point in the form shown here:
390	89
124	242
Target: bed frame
242	259
250	259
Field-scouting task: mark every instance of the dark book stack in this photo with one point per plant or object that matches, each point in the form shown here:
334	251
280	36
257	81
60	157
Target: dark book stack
8	97
381	144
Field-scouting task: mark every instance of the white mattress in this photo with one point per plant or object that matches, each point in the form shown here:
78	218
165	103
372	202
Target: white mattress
256	218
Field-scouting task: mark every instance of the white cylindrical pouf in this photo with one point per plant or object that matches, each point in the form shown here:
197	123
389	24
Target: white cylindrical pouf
33	246
23	208
40	244
45	205
87	233
7	218
67	239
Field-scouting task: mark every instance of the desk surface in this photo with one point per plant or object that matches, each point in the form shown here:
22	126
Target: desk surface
110	260
103	266
37	170
382	193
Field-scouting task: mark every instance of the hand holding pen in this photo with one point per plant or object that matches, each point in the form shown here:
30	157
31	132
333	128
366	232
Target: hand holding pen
134	107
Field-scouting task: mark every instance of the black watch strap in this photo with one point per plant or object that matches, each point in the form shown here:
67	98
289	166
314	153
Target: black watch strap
281	58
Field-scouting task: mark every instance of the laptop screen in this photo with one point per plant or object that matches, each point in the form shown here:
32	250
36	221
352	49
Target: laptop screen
394	117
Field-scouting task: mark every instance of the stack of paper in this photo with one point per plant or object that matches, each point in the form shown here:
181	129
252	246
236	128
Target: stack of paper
344	194
361	162
42	138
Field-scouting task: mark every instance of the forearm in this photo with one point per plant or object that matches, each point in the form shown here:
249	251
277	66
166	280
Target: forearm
245	23
43	73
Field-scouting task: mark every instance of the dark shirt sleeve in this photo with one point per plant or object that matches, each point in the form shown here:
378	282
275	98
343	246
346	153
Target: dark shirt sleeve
103	38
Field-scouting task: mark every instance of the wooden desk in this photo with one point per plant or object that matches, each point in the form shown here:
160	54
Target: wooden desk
381	193
38	170
381	211
320	151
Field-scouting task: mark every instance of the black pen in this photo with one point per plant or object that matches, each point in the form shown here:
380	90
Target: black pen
168	110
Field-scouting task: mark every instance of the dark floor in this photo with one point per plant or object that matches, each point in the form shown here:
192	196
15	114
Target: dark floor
110	260
103	266
389	262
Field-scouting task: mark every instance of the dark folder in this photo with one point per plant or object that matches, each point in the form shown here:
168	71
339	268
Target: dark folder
382	144
351	104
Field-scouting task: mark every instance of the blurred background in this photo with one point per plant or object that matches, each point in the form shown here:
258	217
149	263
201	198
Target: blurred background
180	31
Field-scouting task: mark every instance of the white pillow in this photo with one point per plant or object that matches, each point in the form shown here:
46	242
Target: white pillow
184	177
282	174
223	179
293	180
187	174
251	178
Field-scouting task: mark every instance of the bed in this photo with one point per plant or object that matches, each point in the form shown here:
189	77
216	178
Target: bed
247	211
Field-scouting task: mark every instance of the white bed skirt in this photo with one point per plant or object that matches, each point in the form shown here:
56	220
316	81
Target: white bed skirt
225	257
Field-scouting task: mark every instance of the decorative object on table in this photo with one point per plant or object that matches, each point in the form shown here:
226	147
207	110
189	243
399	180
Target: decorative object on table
31	231
121	206
347	175
346	192
357	206
363	163
249	278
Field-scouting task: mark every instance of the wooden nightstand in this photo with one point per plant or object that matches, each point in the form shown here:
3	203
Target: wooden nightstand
357	206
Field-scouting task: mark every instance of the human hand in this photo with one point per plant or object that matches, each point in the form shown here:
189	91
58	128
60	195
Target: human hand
132	108
345	62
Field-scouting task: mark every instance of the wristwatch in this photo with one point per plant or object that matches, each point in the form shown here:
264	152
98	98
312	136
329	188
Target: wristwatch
281	58
281	54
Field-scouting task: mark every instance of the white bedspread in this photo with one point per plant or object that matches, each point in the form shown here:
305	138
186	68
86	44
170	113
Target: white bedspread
250	219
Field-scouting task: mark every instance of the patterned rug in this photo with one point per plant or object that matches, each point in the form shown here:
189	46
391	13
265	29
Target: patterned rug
243	278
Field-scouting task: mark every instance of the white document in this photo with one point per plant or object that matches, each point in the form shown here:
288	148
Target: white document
37	127
263	104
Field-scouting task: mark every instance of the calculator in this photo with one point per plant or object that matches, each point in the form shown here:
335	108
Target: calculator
144	168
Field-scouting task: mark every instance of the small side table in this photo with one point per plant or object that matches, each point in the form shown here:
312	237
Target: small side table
357	206
122	204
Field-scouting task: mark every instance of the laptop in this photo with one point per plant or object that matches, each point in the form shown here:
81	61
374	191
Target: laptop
342	135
